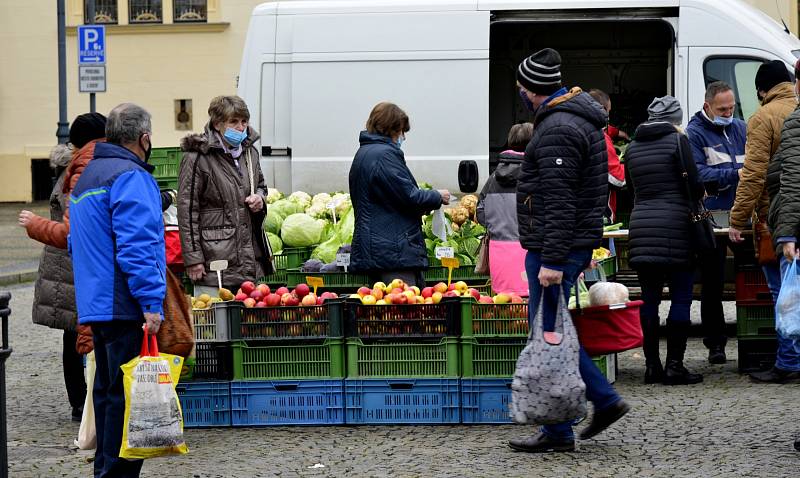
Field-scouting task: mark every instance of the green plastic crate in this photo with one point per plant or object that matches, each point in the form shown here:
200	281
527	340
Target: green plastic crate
389	359
490	358
279	276
254	361
167	183
332	280
166	162
608	365
296	256
493	320
608	266
755	319
467	274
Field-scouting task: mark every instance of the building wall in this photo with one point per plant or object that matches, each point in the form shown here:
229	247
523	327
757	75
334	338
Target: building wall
151	65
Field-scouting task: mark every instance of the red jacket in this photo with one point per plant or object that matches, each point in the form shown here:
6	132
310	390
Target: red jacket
616	176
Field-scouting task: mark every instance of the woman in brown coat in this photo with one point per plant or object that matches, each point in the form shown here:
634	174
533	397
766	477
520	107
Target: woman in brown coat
220	208
54	293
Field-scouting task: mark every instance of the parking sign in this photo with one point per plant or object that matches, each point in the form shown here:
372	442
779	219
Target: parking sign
91	44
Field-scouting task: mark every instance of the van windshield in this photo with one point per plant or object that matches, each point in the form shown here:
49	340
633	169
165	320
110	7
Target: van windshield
796	54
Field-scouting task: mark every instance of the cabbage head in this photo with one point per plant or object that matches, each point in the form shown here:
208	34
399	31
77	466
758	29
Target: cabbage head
273	195
273	222
284	208
302	230
275	243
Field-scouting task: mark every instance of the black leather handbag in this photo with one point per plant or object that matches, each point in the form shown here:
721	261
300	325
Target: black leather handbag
701	226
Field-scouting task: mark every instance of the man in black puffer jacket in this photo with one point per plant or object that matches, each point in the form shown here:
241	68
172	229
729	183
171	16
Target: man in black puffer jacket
561	196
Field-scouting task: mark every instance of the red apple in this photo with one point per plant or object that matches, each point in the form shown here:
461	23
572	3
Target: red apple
309	299
515	299
302	290
292	301
452	286
440	287
485	299
397	290
400	299
257	295
362	291
450	293
249	303
260	305
427	292
264	288
377	293
282	290
475	293
320	300
273	300
285	298
248	287
241	296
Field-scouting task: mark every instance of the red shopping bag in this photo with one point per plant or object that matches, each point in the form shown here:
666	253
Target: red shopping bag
607	329
172	240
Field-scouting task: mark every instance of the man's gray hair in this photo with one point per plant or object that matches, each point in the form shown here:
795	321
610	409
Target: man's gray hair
127	123
716	88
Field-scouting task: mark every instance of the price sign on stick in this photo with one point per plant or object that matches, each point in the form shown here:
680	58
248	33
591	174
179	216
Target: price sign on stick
443	252
451	263
343	260
315	282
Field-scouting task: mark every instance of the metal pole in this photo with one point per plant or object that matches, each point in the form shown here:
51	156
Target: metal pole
5	351
63	125
90	21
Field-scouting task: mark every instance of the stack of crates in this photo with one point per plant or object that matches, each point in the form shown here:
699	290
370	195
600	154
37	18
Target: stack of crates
492	337
402	363
755	320
466	273
167	163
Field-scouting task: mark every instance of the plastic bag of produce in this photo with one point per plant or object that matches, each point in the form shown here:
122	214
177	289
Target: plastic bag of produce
787	308
153	419
607	293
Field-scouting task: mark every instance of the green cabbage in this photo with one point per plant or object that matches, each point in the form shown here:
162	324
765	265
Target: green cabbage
302	230
342	233
275	243
273	222
284	208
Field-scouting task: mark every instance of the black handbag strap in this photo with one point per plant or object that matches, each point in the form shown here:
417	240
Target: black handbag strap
694	204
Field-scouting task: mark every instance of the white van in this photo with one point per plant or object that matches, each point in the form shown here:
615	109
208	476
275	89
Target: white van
313	70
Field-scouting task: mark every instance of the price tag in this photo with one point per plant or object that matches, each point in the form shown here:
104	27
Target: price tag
451	263
343	260
443	252
315	282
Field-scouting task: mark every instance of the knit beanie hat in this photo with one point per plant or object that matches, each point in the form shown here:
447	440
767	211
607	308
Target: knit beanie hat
667	108
771	74
87	127
540	73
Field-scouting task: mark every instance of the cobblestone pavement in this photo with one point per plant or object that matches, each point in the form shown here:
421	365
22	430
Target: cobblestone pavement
725	427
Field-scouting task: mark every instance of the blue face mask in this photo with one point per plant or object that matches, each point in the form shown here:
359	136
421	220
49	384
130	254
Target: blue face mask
723	121
527	101
234	137
400	140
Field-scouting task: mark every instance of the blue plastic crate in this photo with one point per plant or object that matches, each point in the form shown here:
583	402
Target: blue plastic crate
402	401
287	402
205	404
485	400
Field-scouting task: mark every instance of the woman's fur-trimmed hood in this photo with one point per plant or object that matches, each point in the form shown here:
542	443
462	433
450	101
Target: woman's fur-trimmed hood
60	156
203	143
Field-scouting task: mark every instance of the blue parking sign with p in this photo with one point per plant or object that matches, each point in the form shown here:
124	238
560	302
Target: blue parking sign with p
91	44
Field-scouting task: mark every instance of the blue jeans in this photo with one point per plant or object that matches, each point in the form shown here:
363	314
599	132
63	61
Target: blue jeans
115	344
788	355
598	390
680	284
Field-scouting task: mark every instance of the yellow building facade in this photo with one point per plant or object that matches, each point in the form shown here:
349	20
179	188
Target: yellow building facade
170	56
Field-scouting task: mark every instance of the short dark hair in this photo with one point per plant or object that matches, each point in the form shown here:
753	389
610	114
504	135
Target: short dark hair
387	119
715	88
519	136
600	96
224	108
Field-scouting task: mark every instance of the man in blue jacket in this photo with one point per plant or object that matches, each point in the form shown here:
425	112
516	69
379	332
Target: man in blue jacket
117	246
717	140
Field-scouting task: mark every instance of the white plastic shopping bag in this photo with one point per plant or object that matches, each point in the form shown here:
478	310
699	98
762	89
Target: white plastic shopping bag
87	434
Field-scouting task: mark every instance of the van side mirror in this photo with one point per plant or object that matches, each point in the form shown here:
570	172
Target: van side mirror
468	176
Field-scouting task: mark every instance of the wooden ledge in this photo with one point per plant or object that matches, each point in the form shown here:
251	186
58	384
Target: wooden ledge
145	28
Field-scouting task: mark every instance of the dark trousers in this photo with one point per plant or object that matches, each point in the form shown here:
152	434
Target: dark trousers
115	343
712	269
73	370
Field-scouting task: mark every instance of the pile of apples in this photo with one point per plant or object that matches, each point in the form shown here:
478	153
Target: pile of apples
260	296
398	292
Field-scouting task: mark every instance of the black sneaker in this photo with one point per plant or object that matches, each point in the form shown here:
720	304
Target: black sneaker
716	355
676	374
797	444
541	443
776	375
605	418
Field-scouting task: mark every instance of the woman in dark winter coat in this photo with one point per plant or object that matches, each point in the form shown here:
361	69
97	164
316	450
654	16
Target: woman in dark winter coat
660	246
497	212
54	292
388	241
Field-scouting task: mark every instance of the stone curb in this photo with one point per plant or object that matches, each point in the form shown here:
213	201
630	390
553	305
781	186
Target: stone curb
21	277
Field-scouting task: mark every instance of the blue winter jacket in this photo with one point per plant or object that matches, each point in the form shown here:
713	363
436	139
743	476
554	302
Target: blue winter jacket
719	154
117	238
389	207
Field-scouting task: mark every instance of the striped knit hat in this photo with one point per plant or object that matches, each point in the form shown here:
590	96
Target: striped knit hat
540	73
